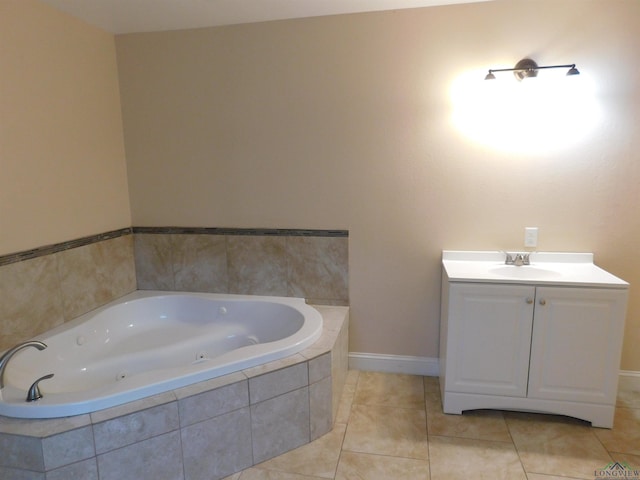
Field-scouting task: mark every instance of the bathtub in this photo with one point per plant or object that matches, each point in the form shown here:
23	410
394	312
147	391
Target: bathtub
152	342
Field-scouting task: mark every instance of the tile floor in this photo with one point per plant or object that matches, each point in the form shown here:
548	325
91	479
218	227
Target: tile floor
391	426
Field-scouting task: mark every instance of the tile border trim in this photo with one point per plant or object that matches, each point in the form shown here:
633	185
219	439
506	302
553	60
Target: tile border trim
80	242
271	232
62	246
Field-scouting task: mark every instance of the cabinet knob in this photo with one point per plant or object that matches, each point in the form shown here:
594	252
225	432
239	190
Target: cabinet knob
543	301
529	300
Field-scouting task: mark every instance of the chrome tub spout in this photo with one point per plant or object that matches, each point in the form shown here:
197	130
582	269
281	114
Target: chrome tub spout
4	360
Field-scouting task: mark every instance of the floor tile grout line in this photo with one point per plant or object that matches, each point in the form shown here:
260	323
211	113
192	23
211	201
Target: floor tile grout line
515	446
426	421
346	426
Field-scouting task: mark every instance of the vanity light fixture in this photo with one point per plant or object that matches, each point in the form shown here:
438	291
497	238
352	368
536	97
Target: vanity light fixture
527	68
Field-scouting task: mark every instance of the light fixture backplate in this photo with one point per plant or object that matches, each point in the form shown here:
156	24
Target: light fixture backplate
525	68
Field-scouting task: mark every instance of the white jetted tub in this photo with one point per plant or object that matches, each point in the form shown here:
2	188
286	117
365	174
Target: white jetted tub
151	342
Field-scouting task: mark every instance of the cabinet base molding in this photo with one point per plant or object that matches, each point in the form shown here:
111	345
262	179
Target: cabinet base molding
599	415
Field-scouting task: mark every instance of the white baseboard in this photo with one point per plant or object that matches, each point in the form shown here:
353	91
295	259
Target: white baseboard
429	366
426	366
629	380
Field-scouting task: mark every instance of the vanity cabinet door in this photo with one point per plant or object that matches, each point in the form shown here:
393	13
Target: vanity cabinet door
576	344
489	338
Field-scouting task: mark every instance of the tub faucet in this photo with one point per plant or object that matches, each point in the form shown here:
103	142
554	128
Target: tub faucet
34	391
4	360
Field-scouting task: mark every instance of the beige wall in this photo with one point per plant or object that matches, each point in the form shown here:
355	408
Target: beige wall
345	122
62	163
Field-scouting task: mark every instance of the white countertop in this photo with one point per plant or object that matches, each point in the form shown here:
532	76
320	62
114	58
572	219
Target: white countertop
546	268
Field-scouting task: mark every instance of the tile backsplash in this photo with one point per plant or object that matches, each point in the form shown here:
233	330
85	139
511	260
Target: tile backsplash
46	287
312	267
43	292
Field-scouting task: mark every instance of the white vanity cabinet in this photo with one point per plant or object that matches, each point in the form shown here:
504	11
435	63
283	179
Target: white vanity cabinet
545	346
489	338
576	344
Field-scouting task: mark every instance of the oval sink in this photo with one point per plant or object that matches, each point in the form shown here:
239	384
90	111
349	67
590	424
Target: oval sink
525	272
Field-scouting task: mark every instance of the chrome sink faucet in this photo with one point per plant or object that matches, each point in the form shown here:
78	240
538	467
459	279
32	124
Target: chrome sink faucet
517	259
4	360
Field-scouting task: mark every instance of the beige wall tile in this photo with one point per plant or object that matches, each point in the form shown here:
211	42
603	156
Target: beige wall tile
19	474
129	429
276	383
280	424
134	406
30	301
274	365
317	459
217	447
95	274
257	265
208	385
67	448
158	458
85	470
45	427
21	452
318	268
315	268
154	267
200	263
206	405
340	364
119	265
319	367
321	407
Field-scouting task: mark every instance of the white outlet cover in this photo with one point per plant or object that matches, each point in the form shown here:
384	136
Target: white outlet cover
531	236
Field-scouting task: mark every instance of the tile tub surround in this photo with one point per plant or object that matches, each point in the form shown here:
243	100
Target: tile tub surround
291	263
204	431
46	287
